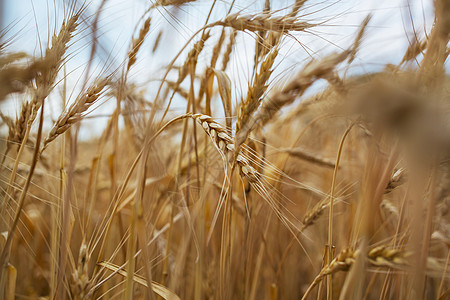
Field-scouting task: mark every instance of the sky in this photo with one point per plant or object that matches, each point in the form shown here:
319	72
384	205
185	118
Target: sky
31	23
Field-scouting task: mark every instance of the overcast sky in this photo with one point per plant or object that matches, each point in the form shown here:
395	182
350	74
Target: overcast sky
30	24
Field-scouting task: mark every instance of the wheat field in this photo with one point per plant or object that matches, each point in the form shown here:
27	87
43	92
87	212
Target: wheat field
238	169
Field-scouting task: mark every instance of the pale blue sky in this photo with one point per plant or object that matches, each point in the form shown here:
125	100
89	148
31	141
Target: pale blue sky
385	42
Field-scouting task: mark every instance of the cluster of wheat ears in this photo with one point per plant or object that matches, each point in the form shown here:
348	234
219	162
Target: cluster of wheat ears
269	193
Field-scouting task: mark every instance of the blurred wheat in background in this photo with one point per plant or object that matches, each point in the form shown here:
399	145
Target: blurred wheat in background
224	150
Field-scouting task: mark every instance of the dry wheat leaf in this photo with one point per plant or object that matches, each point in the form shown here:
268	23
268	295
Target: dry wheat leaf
158	288
224	83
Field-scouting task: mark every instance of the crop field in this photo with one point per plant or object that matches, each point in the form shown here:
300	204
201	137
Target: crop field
224	150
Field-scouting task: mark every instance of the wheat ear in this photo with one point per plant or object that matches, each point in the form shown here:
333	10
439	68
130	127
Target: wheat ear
75	112
272	104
